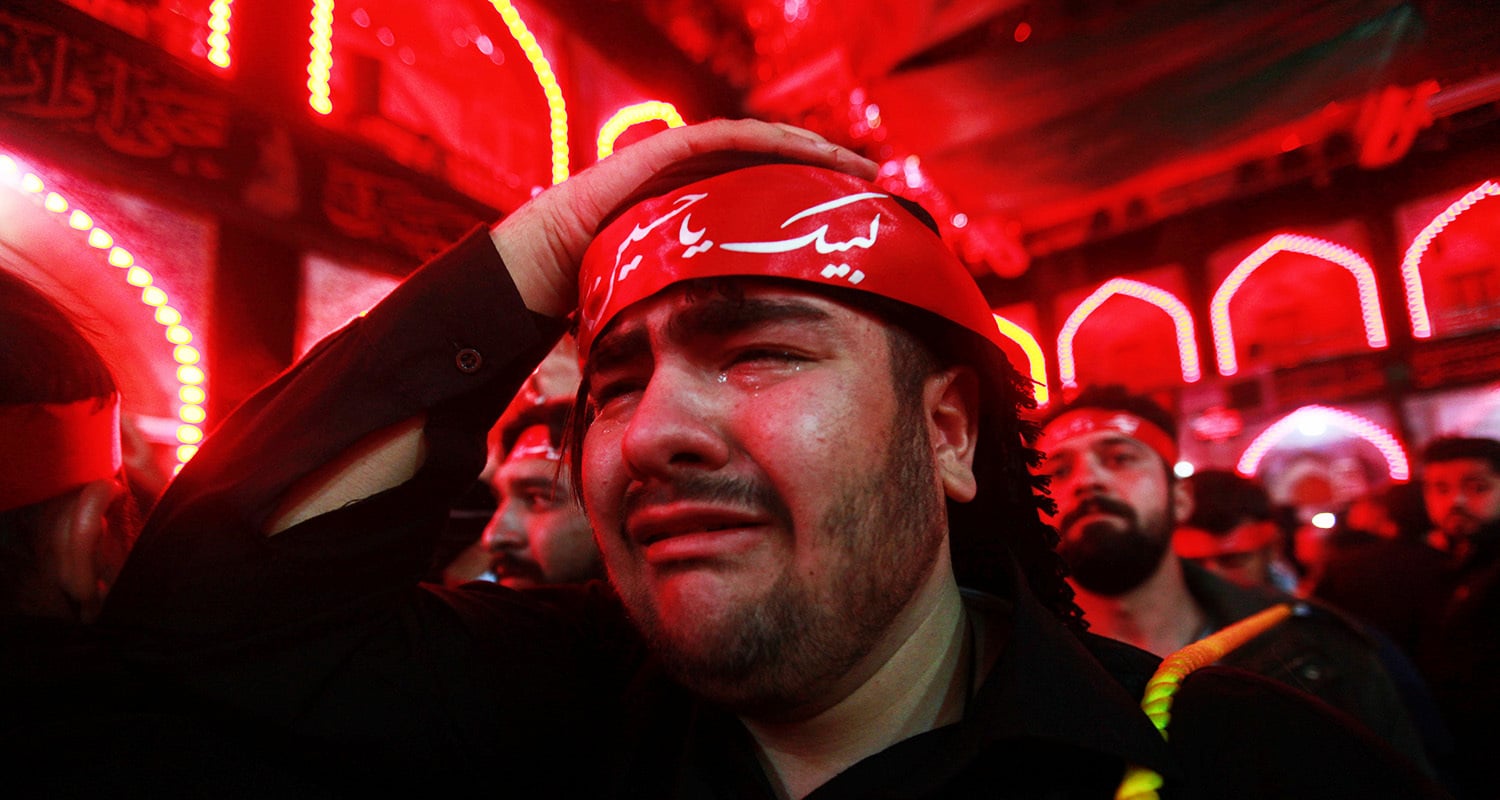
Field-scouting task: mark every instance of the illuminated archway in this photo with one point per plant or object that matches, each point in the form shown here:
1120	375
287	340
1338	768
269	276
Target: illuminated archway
190	377
1182	323
635	115
320	66
1411	265
320	59
1364	279
557	110
1036	361
1390	449
218	32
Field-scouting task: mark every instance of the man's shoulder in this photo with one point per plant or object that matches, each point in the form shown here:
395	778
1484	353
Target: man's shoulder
1233	727
1129	665
1227	602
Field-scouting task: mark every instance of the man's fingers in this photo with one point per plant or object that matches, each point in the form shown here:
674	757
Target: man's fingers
776	138
796	131
543	241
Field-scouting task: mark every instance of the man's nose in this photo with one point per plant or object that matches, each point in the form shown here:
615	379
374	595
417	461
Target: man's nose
676	425
1087	478
506	530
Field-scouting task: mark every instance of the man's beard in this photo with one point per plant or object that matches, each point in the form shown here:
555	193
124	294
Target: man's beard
1112	557
1459	524
775	656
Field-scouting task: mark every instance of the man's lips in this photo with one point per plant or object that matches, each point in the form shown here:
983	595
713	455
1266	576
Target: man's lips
685	532
509	568
1095	507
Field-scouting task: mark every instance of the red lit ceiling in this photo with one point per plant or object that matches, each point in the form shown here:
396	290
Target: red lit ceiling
1027	126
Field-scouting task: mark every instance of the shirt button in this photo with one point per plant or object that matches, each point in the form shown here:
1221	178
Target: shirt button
468	360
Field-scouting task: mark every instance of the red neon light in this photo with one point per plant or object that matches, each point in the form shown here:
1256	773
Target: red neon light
218	36
320	61
1390	449
1036	362
557	110
189	376
1182	322
1364	279
635	115
1411	265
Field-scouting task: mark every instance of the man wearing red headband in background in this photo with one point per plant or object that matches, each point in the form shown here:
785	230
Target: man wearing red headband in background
797	437
1232	531
537	534
76	719
1109	459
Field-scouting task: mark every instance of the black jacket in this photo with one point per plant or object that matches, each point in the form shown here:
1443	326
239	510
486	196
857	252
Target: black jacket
322	636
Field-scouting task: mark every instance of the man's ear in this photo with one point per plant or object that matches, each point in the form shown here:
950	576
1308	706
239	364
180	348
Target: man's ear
76	539
952	403
1182	499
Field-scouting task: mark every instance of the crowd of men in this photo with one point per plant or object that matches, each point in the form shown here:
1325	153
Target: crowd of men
806	469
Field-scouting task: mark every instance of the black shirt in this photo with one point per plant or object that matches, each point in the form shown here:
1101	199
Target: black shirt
322	636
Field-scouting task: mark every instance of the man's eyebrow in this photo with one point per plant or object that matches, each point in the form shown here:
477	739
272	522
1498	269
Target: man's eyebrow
531	482
1122	439
725	316
614	348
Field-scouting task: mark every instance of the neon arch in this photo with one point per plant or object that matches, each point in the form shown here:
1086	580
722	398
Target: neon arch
1036	361
1390	449
1364	279
1411	265
190	377
635	115
557	110
320	67
218	32
320	60
1182	322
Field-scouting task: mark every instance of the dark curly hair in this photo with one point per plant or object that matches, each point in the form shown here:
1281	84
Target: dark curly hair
1224	500
1454	448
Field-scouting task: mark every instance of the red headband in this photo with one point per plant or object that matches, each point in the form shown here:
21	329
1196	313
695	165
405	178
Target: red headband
534	442
1088	420
46	449
782	221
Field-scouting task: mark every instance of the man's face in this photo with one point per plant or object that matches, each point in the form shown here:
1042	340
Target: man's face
1114	510
1247	568
538	534
765	504
1462	495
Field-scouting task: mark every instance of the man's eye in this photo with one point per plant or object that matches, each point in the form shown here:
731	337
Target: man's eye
603	393
539	500
767	355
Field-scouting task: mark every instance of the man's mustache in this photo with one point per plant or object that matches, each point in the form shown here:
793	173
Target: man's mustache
1097	505
1460	514
719	490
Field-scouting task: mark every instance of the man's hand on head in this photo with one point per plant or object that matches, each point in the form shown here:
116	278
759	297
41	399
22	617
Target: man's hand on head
543	242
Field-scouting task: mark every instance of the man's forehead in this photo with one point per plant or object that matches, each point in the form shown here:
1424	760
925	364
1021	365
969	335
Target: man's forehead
1095	440
1462	468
